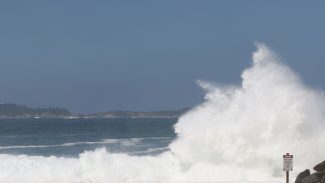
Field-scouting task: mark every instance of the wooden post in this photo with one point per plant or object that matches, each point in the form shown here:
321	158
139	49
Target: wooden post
287	175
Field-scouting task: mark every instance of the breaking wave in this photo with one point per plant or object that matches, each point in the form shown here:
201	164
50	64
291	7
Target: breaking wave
237	134
122	142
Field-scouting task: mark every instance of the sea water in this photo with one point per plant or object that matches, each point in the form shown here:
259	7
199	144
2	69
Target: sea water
70	137
238	134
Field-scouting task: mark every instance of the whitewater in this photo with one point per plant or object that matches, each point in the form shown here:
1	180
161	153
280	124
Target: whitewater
238	134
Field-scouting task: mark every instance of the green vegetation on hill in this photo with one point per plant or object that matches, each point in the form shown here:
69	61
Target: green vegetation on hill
22	111
14	110
140	114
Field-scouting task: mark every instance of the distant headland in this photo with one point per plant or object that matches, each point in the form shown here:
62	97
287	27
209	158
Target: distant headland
21	111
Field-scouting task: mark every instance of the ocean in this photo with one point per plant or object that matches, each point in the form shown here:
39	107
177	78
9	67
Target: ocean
70	137
238	134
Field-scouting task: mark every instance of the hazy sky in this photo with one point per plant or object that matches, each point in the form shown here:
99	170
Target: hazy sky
92	56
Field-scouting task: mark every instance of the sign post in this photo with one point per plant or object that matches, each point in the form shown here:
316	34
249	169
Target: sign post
287	165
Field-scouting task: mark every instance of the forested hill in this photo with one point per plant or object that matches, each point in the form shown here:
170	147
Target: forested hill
22	111
14	110
139	114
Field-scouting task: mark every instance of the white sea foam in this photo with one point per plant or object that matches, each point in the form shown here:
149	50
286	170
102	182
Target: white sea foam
122	142
151	151
238	134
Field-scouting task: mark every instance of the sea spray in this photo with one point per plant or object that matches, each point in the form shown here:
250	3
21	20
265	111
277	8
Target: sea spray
237	134
245	130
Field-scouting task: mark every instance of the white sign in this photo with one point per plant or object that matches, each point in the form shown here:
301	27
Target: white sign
287	162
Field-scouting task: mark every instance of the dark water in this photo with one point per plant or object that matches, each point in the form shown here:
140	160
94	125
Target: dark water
69	137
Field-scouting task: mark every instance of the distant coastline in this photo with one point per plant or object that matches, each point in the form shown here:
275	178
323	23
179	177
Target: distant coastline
22	111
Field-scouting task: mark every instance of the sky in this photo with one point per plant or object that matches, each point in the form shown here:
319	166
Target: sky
95	56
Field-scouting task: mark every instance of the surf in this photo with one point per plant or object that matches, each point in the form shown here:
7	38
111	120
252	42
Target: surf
238	134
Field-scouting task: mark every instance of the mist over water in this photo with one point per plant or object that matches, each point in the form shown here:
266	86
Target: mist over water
238	134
